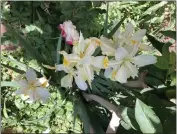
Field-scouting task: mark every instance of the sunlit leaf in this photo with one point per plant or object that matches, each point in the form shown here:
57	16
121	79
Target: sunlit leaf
154	8
148	121
128	115
9	84
5	110
14	69
14	61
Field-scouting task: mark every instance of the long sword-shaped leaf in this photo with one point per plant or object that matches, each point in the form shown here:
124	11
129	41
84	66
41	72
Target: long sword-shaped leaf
109	35
9	84
157	44
58	49
83	115
106	21
154	8
21	65
31	50
14	69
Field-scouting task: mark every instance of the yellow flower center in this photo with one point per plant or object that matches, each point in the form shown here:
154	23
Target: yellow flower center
65	62
81	55
105	62
44	84
113	74
32	86
98	42
134	42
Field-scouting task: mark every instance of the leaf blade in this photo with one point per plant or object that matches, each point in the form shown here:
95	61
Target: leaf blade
109	35
9	84
59	48
147	119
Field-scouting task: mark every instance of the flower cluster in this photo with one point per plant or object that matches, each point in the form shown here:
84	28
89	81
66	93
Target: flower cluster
119	56
80	64
119	59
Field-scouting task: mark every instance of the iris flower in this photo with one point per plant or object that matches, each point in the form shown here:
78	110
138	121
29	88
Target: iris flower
126	64
126	39
33	87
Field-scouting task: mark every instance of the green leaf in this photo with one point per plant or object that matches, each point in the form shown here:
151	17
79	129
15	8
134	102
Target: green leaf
109	35
147	119
169	33
19	64
39	16
31	50
94	121
165	51
173	58
58	49
106	20
4	109
154	8
157	44
83	115
19	103
75	113
14	69
125	125
173	79
171	93
9	84
159	106
128	115
162	62
170	124
97	3
103	88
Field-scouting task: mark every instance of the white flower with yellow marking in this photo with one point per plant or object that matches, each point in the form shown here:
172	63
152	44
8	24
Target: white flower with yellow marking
72	74
126	64
33	87
81	62
125	39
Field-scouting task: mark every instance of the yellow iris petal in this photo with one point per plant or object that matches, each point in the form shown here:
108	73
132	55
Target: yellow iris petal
134	42
97	41
81	55
113	74
44	84
65	62
105	62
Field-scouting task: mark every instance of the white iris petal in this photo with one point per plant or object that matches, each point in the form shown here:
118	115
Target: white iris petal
80	83
66	81
121	75
31	75
143	60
